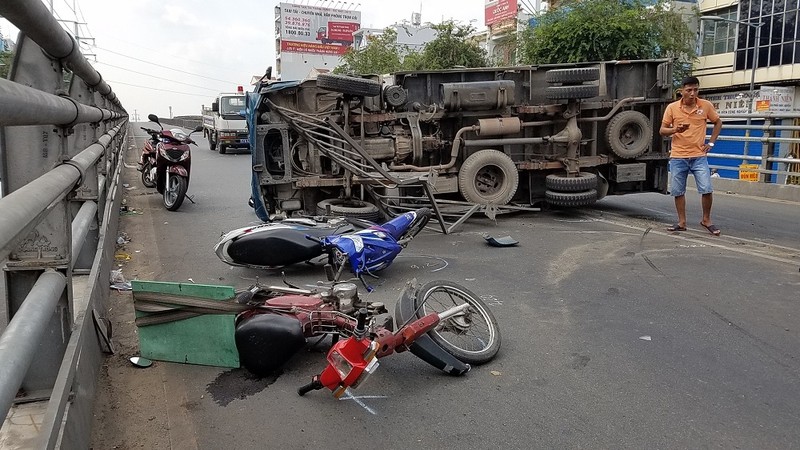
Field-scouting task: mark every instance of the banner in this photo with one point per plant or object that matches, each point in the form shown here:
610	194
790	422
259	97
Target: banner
312	29
500	10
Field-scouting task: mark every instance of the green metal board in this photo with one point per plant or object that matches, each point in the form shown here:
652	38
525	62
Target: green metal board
206	340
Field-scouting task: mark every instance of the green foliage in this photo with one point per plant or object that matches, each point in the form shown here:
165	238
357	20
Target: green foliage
451	47
381	55
603	30
5	63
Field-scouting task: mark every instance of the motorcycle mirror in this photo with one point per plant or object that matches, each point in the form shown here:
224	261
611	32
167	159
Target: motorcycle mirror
153	118
198	128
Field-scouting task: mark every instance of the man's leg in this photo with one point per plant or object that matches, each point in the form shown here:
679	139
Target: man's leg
680	207
707	200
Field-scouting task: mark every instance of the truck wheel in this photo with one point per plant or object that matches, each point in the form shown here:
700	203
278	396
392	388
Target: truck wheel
569	76
571	199
349	208
212	144
348	85
562	183
488	177
222	149
569	92
629	134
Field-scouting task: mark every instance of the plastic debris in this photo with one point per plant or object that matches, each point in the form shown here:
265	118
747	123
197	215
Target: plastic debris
138	361
645	338
119	282
495	373
504	241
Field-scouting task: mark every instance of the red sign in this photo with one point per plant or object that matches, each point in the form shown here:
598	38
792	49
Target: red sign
312	47
499	10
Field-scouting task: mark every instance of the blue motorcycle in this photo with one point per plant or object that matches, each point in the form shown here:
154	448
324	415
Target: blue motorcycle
363	246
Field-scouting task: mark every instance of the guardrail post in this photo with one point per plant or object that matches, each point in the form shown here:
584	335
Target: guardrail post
767	149
81	136
31	151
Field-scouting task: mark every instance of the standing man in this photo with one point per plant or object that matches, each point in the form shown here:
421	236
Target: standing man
685	120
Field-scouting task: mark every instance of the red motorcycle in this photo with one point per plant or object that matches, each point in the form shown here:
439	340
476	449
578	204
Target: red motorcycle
441	322
147	159
169	172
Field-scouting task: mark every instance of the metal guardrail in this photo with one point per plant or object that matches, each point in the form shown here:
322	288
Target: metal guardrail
772	142
61	134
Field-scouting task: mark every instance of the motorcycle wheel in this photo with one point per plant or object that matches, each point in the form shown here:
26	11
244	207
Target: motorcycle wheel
174	192
473	338
147	181
419	223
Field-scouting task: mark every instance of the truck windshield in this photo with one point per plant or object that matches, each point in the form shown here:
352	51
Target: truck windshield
231	105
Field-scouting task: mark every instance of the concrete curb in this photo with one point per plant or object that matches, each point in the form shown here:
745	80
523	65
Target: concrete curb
788	192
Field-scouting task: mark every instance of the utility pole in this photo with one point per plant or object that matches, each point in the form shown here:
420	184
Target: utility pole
170	112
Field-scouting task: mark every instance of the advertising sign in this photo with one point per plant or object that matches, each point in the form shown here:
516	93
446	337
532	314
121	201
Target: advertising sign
768	98
322	31
500	10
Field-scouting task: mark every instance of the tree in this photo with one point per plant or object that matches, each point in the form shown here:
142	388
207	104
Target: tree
451	48
381	55
5	63
603	30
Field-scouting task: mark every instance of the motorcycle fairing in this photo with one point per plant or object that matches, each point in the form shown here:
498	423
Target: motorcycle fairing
178	170
274	244
398	225
367	250
424	347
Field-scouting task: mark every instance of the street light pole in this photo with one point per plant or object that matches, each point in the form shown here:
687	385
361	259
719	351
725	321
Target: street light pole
752	95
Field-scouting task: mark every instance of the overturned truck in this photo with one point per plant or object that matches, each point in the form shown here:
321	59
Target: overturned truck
563	135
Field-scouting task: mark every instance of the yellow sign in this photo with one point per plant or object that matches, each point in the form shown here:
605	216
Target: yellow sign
762	105
748	172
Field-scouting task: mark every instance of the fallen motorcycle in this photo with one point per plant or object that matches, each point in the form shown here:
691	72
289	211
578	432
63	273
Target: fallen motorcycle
368	247
441	322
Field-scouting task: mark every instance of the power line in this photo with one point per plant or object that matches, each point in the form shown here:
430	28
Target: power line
162	66
154	76
157	89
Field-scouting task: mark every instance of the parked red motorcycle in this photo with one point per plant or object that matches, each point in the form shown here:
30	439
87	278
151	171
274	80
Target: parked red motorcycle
147	159
167	167
441	322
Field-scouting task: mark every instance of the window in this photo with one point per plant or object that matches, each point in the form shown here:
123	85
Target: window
778	41
719	37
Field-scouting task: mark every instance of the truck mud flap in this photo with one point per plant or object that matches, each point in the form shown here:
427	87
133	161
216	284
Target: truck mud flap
424	347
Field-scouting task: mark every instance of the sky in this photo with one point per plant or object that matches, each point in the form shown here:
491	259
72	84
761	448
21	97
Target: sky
174	56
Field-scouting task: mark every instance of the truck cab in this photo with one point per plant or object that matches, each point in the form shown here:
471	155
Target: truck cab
224	124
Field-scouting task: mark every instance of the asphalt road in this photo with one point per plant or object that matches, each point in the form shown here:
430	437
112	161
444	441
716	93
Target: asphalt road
616	333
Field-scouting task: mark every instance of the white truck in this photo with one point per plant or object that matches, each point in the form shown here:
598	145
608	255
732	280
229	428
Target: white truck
224	124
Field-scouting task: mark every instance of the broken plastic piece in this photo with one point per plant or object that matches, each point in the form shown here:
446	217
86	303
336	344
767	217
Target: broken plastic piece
138	361
505	241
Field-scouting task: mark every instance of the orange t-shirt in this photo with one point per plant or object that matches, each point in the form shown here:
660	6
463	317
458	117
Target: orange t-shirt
689	144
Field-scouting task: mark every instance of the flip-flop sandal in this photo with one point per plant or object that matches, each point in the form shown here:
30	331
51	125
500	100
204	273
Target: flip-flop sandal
712	229
676	227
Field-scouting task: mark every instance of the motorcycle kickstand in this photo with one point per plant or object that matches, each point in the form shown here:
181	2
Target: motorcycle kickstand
190	198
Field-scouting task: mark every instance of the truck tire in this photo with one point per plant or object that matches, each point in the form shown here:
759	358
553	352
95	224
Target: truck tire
349	208
570	92
488	177
562	183
223	149
571	76
212	143
348	85
629	134
571	199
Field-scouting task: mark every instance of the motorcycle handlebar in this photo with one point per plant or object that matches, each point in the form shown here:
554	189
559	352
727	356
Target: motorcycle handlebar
313	386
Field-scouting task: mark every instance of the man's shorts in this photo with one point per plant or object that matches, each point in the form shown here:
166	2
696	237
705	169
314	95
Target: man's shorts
679	169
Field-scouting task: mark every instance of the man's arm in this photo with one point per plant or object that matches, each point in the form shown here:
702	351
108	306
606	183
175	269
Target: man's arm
715	132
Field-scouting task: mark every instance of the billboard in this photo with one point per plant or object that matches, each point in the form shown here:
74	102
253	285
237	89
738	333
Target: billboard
500	10
316	30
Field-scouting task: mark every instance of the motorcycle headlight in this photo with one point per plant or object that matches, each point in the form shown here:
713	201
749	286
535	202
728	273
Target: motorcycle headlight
342	366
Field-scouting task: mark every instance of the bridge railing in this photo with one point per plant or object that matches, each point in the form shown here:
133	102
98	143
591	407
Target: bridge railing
767	152
61	134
